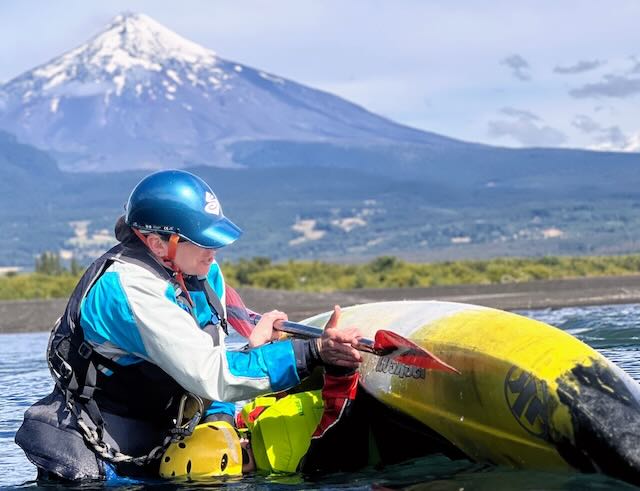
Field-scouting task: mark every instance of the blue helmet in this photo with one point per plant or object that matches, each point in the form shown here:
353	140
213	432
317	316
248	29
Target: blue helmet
177	202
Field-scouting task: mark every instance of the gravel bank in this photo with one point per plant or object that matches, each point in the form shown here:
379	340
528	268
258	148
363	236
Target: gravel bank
39	315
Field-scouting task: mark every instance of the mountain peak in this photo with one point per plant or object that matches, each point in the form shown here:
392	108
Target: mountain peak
139	95
139	36
130	41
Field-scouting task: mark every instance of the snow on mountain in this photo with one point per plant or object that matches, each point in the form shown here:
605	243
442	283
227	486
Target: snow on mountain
138	95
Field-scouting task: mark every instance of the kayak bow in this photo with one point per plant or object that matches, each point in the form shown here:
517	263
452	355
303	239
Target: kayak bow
528	395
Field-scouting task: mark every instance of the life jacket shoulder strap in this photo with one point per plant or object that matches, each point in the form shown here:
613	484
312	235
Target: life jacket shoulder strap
214	302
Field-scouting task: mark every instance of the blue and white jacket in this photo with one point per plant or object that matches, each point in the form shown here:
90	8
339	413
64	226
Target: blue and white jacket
130	315
149	345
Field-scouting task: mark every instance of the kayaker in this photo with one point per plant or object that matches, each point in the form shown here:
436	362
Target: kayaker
141	342
309	432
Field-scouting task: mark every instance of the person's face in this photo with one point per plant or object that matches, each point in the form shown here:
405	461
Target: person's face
193	259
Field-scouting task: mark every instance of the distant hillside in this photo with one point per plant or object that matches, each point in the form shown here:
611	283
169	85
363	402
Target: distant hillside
23	167
343	209
469	170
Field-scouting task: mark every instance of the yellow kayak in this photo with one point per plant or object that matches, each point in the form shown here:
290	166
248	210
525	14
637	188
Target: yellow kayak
528	394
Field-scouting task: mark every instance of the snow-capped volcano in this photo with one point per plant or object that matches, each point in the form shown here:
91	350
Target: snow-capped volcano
139	95
124	56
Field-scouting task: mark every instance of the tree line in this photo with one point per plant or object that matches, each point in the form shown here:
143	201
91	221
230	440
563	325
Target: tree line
54	279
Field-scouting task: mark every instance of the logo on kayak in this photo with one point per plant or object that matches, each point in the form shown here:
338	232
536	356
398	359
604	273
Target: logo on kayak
528	400
385	365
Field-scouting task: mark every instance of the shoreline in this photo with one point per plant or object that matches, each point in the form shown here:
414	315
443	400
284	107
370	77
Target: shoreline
19	316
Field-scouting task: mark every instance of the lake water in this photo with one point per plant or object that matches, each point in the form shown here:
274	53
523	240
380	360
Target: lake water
613	330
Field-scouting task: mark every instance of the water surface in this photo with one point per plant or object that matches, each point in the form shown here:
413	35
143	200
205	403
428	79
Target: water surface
613	330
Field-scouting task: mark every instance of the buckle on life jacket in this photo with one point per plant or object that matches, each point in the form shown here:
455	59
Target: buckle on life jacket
85	350
61	370
65	371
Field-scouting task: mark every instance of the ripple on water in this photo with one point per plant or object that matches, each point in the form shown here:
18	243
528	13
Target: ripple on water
614	330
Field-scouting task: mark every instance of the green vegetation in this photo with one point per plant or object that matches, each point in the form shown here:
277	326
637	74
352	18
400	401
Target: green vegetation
50	264
391	272
53	280
36	285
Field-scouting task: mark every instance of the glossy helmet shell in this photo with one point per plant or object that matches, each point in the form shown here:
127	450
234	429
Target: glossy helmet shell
213	449
178	202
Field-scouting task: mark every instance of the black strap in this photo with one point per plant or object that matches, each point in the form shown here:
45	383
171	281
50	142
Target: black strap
86	399
215	303
81	393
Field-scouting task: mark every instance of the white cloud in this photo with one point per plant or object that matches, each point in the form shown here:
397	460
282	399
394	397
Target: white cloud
579	67
526	128
633	143
610	138
619	86
518	65
520	114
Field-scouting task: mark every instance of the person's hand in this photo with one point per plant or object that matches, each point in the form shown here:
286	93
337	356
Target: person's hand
336	347
264	332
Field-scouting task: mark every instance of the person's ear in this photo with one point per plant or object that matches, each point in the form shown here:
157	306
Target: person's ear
156	245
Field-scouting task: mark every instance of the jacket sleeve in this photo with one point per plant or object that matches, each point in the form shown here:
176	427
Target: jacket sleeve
131	314
239	317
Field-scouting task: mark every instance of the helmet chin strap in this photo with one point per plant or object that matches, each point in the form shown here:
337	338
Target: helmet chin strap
169	260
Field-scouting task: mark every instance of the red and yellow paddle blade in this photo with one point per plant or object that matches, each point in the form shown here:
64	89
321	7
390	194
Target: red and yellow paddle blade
401	349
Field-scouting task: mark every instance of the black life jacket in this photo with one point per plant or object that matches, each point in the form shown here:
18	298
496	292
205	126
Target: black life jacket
142	390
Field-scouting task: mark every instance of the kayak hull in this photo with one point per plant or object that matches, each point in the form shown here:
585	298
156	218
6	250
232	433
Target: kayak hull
528	394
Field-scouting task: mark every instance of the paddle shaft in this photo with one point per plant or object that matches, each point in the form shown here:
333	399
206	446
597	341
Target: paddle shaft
309	332
304	331
386	344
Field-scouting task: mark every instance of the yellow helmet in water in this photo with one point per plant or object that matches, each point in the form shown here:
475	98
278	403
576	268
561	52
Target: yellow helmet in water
213	449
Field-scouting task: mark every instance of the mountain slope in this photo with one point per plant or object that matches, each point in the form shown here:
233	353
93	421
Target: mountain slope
138	95
24	171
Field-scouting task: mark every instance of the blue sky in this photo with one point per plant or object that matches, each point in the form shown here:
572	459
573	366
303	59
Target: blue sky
512	73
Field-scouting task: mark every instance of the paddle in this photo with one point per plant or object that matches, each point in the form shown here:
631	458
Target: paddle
387	344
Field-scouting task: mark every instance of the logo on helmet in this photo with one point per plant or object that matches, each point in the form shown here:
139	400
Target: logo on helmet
213	205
